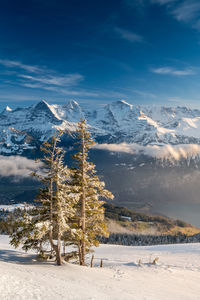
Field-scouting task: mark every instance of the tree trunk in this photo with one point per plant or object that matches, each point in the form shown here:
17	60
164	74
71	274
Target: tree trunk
79	252
82	262
58	251
83	230
63	248
56	248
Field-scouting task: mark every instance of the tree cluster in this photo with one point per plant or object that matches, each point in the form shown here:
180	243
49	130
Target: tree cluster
69	208
148	240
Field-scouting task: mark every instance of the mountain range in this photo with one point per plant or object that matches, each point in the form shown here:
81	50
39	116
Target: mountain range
24	129
130	143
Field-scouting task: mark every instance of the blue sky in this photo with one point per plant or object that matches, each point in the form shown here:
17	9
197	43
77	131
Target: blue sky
144	51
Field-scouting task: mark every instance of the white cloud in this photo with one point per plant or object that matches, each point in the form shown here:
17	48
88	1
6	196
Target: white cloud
128	35
35	77
79	93
17	166
145	94
142	3
67	80
59	90
187	11
33	85
175	99
173	71
18	64
167	152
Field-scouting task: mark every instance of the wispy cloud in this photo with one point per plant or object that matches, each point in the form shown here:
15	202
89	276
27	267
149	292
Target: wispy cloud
187	11
143	3
42	78
64	91
134	3
67	80
144	94
128	35
18	64
173	71
162	2
175	100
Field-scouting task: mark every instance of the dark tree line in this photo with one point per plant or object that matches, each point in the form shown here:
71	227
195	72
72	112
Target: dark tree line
148	240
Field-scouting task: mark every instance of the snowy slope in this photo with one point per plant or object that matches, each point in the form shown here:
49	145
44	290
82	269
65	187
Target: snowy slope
176	276
117	122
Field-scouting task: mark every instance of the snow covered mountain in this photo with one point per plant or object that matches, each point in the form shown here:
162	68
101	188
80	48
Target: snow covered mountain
153	151
23	129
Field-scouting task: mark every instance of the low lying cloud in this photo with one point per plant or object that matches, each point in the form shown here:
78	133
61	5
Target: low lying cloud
166	152
17	166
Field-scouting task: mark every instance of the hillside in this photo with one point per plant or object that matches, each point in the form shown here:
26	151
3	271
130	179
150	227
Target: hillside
124	220
118	219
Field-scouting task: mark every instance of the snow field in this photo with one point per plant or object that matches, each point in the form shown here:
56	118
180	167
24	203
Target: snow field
176	276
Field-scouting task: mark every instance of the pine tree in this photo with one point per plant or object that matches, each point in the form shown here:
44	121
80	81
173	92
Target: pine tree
86	184
69	207
56	204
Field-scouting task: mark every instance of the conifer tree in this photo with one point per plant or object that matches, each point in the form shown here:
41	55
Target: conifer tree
86	184
50	220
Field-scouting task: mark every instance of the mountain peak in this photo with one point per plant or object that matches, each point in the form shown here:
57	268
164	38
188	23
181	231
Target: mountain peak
42	102
73	111
122	103
42	105
72	104
8	108
43	109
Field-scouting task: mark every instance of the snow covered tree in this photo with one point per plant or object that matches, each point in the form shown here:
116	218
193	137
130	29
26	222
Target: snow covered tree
50	220
86	184
70	206
27	233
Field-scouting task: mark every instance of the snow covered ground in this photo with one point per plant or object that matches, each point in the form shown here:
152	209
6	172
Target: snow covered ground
176	276
15	206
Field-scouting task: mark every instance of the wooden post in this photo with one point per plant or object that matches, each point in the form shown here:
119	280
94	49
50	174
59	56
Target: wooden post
92	259
101	263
